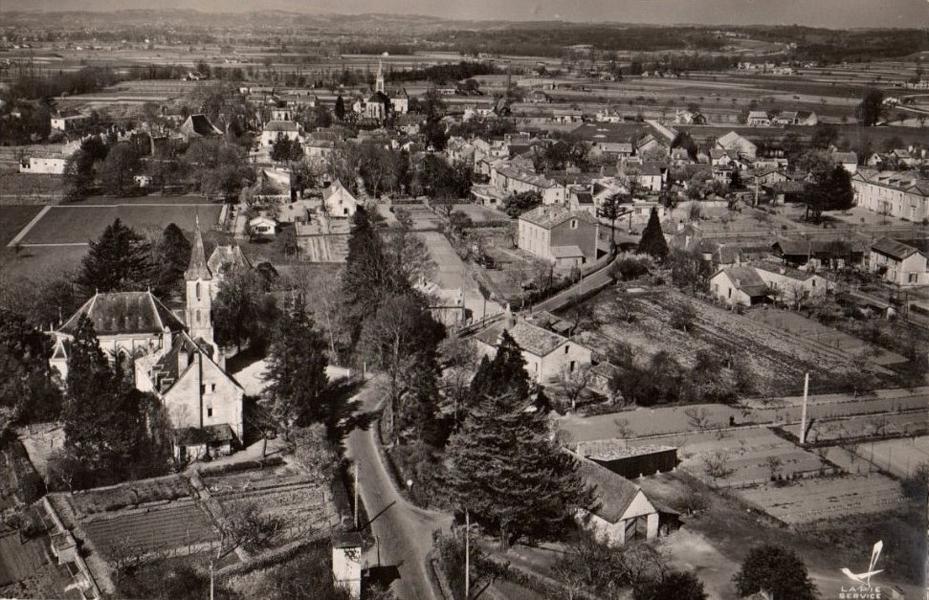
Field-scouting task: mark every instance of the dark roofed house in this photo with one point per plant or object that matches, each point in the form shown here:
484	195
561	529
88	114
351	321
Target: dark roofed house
898	262
547	354
798	252
556	233
198	126
739	285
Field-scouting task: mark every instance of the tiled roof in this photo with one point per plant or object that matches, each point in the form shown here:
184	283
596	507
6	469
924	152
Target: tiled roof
552	215
529	337
114	313
518	174
281	126
613	449
893	248
613	492
747	279
566	251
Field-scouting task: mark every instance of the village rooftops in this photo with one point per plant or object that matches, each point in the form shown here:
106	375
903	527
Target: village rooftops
893	249
281	126
552	215
531	338
533	179
614	492
613	449
114	313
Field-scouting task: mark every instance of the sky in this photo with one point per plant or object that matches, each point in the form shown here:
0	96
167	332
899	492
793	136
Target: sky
821	13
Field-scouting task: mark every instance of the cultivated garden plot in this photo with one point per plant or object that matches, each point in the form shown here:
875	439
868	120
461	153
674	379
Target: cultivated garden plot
779	359
908	423
811	500
179	527
300	506
742	457
901	456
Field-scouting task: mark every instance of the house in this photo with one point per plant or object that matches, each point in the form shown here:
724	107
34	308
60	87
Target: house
509	178
807	118
898	263
719	157
547	354
69	123
847	160
648	176
769	176
557	234
734	141
622	513
263	225
198	126
44	163
606	139
758	118
738	286
799	252
784	118
338	202
204	403
900	194
793	286
273	130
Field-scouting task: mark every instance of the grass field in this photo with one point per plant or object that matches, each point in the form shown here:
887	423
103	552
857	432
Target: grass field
900	457
14	218
81	223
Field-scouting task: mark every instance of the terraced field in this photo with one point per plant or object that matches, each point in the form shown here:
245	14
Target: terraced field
177	525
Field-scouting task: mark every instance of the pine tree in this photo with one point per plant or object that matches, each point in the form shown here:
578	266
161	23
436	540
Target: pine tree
104	414
504	466
118	261
365	277
653	242
172	255
504	374
296	372
340	108
777	571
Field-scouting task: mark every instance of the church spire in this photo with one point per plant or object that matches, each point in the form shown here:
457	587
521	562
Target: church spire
197	269
379	82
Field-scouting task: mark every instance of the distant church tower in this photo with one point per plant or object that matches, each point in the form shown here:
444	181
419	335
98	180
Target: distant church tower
379	82
199	281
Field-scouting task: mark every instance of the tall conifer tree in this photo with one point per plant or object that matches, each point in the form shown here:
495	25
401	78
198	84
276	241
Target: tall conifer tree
653	242
119	261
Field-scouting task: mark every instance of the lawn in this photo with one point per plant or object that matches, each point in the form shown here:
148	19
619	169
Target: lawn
82	223
40	261
13	219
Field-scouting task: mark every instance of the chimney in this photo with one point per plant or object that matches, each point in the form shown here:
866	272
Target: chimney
166	339
183	360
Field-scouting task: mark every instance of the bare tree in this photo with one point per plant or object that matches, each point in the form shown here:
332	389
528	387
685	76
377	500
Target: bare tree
698	418
716	466
573	383
774	466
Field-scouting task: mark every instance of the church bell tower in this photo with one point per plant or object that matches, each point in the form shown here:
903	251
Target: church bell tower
198	281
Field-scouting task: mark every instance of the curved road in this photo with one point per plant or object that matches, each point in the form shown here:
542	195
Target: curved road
404	532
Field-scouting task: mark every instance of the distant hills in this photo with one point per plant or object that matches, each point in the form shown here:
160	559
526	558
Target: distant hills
818	13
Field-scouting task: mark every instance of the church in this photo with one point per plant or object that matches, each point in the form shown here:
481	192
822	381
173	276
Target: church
174	356
381	104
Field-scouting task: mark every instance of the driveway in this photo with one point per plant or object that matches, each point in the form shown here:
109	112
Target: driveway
404	532
452	273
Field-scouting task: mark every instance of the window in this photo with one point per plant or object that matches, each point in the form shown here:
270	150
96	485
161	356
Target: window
571	367
566	349
730	292
209	411
573	223
198	290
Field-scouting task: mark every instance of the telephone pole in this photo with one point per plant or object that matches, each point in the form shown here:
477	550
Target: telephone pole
467	555
356	496
806	390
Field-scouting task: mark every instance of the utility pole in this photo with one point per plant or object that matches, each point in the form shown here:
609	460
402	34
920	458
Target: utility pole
806	389
467	554
356	496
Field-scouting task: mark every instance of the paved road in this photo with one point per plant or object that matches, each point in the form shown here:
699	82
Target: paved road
403	530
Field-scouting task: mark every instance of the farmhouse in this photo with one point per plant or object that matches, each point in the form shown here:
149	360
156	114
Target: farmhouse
793	285
263	226
738	286
69	123
734	141
555	233
758	118
339	202
898	194
798	252
623	513
898	263
547	354
44	163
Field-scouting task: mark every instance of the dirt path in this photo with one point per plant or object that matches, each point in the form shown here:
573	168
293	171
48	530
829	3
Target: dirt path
25	230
